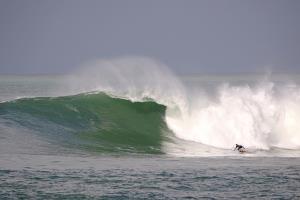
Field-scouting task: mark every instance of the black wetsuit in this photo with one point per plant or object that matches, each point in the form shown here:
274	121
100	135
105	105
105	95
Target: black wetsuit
239	147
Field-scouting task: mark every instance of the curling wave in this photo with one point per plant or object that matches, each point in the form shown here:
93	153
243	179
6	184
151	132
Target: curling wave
95	122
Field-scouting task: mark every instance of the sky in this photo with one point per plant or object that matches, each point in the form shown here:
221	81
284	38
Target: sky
190	36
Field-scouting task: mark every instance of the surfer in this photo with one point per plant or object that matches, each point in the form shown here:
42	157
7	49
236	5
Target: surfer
240	148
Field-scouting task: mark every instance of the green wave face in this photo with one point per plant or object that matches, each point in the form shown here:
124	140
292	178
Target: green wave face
96	122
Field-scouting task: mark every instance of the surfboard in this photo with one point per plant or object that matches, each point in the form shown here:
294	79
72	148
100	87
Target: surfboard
242	150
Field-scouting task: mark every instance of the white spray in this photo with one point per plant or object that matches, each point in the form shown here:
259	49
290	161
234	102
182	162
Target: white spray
256	117
134	78
260	117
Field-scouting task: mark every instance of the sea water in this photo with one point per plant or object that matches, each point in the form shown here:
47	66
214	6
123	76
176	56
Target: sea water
148	177
105	133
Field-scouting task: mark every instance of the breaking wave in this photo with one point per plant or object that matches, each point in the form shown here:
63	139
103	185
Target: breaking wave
138	105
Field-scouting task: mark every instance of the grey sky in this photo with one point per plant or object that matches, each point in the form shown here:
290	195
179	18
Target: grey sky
54	36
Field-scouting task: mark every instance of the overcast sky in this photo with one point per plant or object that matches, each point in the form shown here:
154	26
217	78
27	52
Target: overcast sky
190	36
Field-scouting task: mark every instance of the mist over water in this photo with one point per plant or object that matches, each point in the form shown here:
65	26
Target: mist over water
135	78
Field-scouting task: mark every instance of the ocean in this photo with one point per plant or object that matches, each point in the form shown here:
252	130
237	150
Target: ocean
144	133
